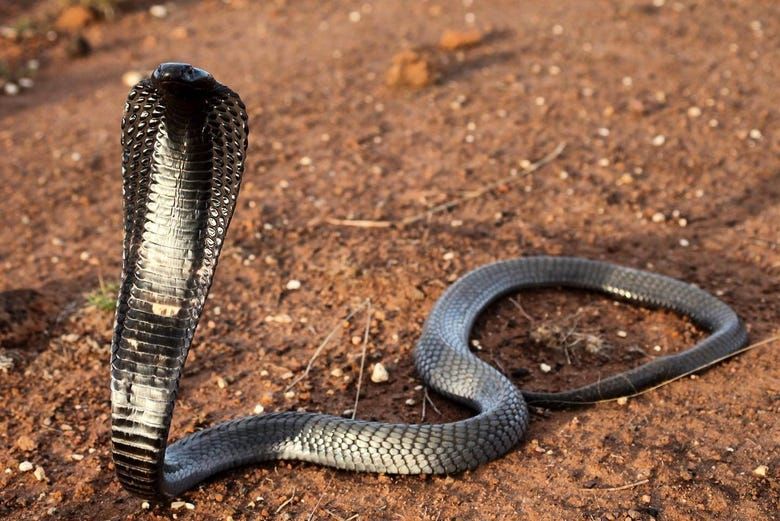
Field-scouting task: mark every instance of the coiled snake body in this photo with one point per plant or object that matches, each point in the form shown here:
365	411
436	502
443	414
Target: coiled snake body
184	139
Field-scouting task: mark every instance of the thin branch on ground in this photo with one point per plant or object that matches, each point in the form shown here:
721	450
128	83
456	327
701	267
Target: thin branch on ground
522	310
289	500
449	205
362	358
322	345
317	504
621	487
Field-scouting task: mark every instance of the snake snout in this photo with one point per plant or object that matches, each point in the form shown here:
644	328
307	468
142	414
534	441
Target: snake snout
183	76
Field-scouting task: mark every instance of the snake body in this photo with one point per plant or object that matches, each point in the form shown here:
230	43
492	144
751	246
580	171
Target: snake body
184	139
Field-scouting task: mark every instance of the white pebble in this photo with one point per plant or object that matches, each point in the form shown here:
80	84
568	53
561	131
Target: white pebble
259	409
145	505
410	401
176	505
354	16
449	255
11	89
622	334
557	30
25	83
545	368
289	395
39	473
694	112
684	243
659	140
761	470
379	373
539	101
158	11
658	217
657	348
305	161
622	400
25	466
293	284
603	132
130	78
755	134
77	457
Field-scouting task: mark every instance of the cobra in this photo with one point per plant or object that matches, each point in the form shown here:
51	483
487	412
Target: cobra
184	140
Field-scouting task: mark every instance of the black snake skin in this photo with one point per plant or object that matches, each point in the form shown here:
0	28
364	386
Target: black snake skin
184	139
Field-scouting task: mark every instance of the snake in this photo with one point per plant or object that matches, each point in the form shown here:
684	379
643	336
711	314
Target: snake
184	141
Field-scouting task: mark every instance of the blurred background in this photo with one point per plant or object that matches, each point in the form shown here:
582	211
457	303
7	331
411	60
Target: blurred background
393	147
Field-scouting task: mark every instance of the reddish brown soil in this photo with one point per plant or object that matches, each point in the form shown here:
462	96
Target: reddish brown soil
306	72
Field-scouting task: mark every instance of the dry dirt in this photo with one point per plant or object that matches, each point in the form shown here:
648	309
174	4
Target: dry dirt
670	115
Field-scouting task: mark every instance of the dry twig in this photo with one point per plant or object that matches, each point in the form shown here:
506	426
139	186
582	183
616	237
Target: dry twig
363	223
621	487
362	358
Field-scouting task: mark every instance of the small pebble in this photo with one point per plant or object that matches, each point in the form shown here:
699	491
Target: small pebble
754	134
259	409
449	255
305	161
659	140
11	89
658	217
293	284
761	470
657	349
130	78
27	83
289	395
337	372
221	382
694	112
684	243
39	473
77	457
545	368
622	334
646	498
145	505
622	400
25	466
176	505
379	374
354	16
158	11
410	401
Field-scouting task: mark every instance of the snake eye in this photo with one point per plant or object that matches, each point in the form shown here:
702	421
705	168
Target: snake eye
182	75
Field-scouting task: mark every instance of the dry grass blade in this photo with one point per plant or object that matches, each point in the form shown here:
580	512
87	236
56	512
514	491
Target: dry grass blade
362	223
362	359
322	345
621	487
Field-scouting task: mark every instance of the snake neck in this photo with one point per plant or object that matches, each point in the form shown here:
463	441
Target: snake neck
164	288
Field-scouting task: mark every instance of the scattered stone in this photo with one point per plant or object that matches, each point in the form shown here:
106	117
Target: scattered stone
452	40
282	318
77	457
379	374
74	18
25	83
259	409
658	217
646	498
221	382
410	69
305	161
25	466
684	243
293	284
11	89
78	47
130	78
145	505
761	471
337	372
622	334
622	400
410	401
25	443
39	473
176	505
545	368
659	140
694	112
755	134
289	395
158	11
